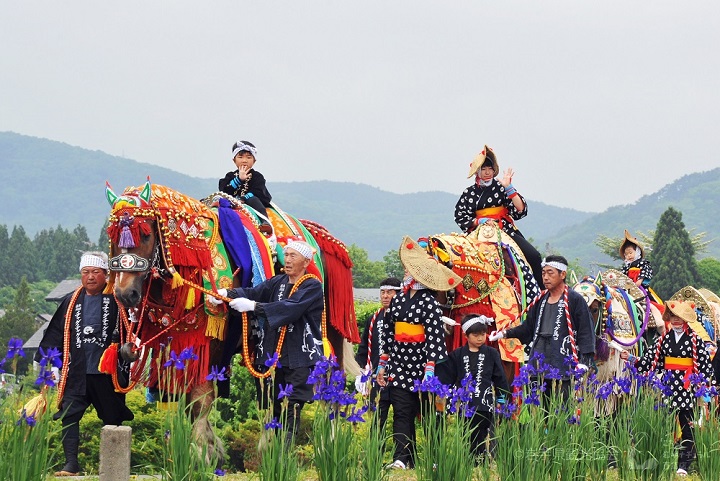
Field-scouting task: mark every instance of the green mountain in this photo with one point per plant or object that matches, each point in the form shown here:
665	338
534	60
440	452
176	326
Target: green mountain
48	183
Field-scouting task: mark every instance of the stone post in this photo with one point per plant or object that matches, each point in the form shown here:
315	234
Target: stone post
115	442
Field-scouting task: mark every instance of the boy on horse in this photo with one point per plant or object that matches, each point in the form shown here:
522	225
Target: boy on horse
247	184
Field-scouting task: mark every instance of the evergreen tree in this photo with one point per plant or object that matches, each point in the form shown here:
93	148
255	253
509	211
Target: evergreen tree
104	241
673	256
19	320
4	258
22	258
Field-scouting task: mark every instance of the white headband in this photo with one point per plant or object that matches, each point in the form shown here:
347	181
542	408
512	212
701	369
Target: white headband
244	147
389	288
92	260
557	265
302	247
477	320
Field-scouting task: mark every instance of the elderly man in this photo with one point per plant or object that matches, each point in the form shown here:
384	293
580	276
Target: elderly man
559	325
368	353
293	301
90	319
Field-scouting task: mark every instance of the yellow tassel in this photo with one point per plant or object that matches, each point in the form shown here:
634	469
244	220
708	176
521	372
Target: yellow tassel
215	327
327	347
35	406
177	280
190	301
110	284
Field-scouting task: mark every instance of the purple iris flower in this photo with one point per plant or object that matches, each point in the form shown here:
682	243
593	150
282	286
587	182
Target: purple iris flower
285	391
15	348
216	375
51	357
187	354
174	361
272	360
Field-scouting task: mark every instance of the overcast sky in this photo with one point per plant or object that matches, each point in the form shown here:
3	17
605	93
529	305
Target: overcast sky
593	103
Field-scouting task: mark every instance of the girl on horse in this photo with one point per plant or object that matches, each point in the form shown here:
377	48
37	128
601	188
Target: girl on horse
636	266
498	200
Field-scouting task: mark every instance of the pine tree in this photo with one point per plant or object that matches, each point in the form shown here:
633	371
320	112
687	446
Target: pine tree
4	258
19	321
673	257
22	258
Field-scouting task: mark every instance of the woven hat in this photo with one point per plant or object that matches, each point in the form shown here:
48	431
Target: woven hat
683	309
630	240
479	160
425	269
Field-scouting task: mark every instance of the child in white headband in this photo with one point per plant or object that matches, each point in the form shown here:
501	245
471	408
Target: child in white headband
482	363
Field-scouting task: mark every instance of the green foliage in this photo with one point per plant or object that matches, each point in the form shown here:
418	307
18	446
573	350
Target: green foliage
366	273
363	310
38	291
393	266
19	321
673	258
241	404
709	271
25	441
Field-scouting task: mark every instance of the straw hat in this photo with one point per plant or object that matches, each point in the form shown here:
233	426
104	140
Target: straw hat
685	300
426	269
709	295
685	310
479	160
630	240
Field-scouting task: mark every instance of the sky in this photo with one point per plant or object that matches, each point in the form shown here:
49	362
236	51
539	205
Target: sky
593	104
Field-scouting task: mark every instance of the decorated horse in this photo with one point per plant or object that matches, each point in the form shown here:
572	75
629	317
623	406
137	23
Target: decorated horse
496	282
624	318
169	252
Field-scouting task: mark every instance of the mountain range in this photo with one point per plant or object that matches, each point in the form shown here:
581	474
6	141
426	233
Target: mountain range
47	183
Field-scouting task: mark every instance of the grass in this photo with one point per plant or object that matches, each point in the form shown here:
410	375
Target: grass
311	475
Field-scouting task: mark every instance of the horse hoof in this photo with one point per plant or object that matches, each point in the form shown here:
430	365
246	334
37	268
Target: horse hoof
128	352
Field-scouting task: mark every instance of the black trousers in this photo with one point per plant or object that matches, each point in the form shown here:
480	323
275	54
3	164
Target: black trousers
100	393
687	441
531	254
406	407
480	424
267	393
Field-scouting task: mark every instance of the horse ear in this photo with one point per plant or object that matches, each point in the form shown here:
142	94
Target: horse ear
598	279
109	194
146	192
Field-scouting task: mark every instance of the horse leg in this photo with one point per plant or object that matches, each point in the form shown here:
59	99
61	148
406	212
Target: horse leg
201	403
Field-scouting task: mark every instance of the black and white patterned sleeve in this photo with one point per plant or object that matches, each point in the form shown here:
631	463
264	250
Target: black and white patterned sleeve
465	210
435	348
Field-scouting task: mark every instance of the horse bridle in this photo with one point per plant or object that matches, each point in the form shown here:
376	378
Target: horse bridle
128	262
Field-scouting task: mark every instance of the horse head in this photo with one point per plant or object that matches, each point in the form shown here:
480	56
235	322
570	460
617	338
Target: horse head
133	242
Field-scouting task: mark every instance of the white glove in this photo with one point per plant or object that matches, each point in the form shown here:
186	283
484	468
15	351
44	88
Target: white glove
582	368
214	300
496	335
242	304
360	386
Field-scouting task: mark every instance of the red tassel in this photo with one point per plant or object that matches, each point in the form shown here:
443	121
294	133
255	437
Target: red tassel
109	360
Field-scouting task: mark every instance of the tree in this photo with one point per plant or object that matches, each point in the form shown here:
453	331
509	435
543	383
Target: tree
19	320
104	240
366	273
4	259
709	270
393	266
22	258
673	257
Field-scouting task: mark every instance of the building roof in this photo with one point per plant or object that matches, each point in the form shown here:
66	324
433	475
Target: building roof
366	294
34	341
62	289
